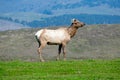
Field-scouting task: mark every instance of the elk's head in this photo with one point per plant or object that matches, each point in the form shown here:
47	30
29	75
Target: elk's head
77	24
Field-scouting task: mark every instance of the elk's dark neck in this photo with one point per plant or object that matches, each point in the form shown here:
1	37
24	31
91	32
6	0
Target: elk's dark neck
72	31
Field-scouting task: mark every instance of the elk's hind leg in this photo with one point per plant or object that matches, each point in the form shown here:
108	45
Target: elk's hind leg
38	41
40	51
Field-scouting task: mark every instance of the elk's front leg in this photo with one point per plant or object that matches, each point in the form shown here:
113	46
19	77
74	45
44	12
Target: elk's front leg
64	51
59	51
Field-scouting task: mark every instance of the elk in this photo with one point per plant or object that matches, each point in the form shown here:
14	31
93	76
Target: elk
60	36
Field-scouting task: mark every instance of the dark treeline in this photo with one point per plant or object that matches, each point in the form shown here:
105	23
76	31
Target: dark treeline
66	20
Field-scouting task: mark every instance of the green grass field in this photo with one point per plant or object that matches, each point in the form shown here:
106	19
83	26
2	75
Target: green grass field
61	70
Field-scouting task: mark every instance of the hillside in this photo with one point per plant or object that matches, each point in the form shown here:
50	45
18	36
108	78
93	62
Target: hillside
8	25
91	42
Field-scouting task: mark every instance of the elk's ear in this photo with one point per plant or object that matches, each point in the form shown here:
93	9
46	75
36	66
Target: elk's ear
73	20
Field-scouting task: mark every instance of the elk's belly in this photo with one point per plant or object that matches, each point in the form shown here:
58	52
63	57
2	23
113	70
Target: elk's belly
50	43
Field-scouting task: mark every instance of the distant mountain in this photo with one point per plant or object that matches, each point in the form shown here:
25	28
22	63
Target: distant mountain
40	13
55	7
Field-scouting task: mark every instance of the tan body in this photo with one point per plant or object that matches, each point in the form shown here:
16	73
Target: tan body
60	36
50	36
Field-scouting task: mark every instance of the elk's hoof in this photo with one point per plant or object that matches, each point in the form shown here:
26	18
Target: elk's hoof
57	59
64	59
42	60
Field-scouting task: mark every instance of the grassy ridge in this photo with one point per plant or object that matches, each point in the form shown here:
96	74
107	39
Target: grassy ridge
61	70
90	42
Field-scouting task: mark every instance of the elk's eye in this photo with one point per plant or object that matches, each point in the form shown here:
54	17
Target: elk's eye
75	23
